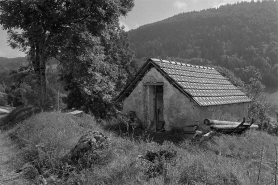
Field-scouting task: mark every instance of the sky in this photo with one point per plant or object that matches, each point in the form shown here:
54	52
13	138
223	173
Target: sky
144	12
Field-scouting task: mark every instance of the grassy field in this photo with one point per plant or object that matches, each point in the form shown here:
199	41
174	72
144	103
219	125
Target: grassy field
224	159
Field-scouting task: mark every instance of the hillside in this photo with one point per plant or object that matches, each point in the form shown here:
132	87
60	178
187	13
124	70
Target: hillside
11	63
14	63
119	157
233	36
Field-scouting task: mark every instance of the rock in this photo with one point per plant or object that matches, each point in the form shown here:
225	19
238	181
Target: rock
87	144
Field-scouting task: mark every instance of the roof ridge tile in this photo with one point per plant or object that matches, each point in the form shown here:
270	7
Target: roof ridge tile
182	64
165	61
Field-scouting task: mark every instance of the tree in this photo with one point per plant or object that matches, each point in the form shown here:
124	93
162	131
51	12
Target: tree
231	76
44	28
97	71
21	89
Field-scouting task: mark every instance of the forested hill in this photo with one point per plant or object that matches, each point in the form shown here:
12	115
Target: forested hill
236	36
11	63
7	64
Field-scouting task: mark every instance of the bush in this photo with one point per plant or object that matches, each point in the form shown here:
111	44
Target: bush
258	111
270	127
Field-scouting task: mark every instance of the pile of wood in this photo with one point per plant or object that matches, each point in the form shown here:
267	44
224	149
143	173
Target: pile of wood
229	127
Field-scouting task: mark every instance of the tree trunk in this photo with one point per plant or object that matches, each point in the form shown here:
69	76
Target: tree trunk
36	65
43	83
42	77
38	62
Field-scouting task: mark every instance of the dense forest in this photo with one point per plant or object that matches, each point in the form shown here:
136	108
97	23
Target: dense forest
242	37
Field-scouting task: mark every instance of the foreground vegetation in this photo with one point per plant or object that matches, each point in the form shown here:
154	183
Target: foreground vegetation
47	137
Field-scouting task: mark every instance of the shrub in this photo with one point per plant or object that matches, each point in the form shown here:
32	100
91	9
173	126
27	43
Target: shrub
258	111
270	127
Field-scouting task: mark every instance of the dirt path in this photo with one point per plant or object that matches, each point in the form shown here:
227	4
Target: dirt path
7	151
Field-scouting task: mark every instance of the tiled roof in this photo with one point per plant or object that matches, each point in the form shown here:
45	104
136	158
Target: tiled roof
205	85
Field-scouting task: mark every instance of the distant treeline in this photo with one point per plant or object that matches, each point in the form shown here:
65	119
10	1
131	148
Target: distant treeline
7	64
242	37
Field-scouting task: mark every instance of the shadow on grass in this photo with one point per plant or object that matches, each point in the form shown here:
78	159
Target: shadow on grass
120	129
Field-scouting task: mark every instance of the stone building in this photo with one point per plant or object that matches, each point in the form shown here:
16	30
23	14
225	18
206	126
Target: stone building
176	95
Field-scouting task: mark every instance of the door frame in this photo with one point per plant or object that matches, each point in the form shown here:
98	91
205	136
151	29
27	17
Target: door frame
147	107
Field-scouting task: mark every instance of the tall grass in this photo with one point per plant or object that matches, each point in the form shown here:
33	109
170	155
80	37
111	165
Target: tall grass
46	137
224	159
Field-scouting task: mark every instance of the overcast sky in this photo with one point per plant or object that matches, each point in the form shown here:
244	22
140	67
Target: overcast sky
144	12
